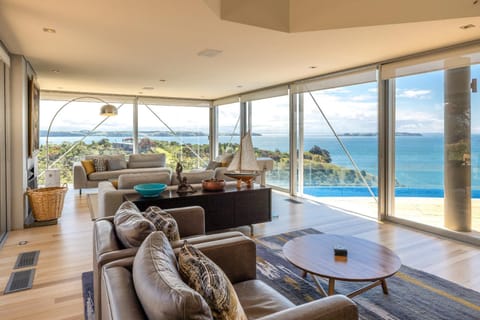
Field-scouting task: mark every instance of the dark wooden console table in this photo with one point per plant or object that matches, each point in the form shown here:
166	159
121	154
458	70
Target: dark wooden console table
223	209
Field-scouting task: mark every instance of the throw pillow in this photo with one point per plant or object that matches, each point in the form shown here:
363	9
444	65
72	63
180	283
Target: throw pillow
131	227
225	159
116	164
158	284
100	164
89	166
205	277
163	221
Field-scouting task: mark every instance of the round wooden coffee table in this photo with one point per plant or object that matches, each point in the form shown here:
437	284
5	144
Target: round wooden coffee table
365	261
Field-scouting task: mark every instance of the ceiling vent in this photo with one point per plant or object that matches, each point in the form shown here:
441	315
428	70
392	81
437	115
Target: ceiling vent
210	53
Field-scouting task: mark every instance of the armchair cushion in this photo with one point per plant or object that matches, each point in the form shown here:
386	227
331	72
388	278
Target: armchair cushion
163	221
159	286
208	279
131	227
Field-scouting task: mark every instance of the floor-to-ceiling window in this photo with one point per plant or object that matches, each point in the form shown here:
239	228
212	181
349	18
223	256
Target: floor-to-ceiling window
181	132
437	139
340	141
228	124
4	75
77	129
270	136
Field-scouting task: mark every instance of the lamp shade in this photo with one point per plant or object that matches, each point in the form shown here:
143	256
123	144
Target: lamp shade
108	110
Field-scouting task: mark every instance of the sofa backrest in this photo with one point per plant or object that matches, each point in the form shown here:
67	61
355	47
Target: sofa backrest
146	160
129	180
194	176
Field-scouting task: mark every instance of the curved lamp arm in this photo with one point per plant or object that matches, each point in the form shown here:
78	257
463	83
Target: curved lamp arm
60	109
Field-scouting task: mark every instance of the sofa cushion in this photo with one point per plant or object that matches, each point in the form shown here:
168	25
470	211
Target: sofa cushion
258	299
194	177
128	181
131	226
163	221
116	164
89	166
205	277
159	286
146	160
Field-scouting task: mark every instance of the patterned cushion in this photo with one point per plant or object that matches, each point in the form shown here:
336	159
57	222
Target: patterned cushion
205	277
131	227
163	221
100	164
89	166
158	284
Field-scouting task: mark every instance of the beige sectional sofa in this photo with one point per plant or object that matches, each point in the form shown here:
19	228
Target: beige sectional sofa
137	163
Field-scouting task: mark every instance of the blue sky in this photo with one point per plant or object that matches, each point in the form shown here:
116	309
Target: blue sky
419	103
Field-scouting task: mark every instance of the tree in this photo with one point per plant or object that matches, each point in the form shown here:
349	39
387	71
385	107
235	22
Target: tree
321	152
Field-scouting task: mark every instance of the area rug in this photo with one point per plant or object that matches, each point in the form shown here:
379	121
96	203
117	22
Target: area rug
413	294
87	291
92	201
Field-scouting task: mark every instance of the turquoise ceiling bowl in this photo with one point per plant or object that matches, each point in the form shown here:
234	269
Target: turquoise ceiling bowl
150	189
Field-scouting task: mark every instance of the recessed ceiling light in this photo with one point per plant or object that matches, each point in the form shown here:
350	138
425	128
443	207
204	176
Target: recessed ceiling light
55	71
467	26
313	67
140	92
49	30
210	53
162	80
148	88
60	88
239	86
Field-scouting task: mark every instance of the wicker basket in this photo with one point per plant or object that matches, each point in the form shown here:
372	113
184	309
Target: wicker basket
47	203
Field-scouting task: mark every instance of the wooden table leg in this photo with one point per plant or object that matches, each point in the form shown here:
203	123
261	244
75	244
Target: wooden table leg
331	287
319	286
384	286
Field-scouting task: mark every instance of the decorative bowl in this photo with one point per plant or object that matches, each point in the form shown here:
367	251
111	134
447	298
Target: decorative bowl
213	184
150	189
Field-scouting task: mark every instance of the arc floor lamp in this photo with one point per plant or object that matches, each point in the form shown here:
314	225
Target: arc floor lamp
107	110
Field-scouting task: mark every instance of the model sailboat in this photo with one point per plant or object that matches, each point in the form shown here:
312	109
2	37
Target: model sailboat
244	166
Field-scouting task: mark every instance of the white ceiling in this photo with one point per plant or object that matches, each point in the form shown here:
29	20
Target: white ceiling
122	46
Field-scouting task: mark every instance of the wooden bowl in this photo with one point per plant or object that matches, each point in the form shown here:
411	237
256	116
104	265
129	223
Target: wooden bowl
213	184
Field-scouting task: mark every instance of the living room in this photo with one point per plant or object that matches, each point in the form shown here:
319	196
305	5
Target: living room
72	59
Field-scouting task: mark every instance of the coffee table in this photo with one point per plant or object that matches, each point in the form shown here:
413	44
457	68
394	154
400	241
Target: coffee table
366	261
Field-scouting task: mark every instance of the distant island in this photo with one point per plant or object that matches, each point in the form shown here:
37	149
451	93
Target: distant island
152	133
372	134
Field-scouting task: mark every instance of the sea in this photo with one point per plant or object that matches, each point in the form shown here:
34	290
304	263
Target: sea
418	159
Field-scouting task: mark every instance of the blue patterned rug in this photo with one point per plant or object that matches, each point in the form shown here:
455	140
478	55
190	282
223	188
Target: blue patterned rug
413	294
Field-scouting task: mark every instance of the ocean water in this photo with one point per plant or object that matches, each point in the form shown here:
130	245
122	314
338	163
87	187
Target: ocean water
418	165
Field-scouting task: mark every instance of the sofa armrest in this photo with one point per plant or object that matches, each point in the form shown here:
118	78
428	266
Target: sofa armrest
109	198
119	300
236	256
328	308
190	220
80	178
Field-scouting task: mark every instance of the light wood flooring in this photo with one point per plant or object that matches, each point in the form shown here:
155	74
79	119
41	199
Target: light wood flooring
66	252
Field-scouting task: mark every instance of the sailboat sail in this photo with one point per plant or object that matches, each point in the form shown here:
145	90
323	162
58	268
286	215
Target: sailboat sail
244	159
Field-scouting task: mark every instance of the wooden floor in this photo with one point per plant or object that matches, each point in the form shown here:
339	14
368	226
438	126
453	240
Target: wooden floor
66	252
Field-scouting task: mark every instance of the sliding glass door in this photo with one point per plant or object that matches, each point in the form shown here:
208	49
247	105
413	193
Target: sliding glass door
437	148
